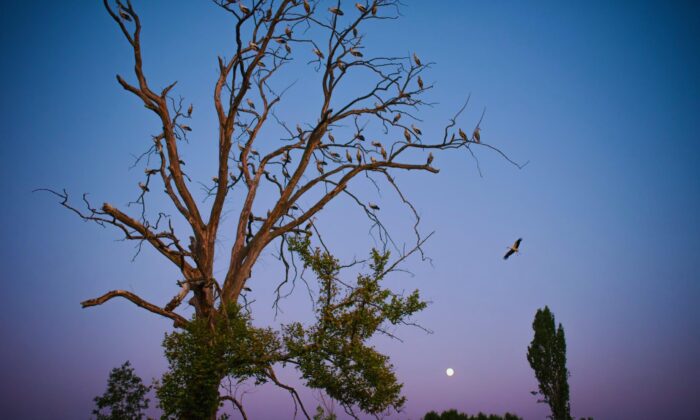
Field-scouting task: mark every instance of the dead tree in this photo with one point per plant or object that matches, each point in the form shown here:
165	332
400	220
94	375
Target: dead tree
314	159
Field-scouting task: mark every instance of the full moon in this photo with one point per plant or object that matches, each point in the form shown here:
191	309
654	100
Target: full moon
450	372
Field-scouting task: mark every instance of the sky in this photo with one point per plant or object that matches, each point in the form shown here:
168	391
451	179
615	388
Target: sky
601	98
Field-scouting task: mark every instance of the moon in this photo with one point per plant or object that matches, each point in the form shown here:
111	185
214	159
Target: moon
450	372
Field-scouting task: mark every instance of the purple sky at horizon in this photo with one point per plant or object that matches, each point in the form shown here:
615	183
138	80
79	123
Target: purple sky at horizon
602	99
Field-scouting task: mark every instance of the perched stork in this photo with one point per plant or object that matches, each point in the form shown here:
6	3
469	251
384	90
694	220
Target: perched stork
513	249
477	135
416	59
462	134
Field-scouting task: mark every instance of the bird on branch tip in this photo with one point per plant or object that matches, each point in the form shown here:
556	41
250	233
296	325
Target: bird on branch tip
359	156
185	127
373	206
420	82
407	134
331	138
430	158
243	8
355	52
288	32
151	171
463	135
396	119
336	11
253	46
307	7
513	249
124	15
143	186
215	179
360	7
300	130
477	134
250	103
288	48
376	144
354	32
383	152
374	9
372	159
348	156
416	130
189	110
247	289
416	59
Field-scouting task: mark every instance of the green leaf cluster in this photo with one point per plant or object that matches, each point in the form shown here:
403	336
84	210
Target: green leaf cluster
547	357
455	415
333	354
124	398
205	352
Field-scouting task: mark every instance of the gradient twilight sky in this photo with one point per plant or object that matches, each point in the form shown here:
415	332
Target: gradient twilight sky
603	99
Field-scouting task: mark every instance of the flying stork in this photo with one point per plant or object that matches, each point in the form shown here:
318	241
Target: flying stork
513	249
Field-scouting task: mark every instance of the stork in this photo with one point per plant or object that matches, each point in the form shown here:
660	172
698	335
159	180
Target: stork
513	249
416	59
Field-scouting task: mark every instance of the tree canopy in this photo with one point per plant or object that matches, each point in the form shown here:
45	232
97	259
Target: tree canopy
547	357
125	397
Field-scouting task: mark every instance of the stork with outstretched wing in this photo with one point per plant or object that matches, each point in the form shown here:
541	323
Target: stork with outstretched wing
513	249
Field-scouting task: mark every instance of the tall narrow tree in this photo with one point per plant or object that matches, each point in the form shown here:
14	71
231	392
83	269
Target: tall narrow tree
547	357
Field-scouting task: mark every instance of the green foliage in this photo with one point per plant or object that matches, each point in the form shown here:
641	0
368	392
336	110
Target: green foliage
322	415
547	357
333	355
124	398
203	353
455	415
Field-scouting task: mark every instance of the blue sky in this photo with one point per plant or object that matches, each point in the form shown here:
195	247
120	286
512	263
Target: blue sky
602	99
